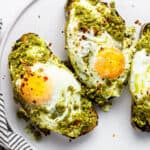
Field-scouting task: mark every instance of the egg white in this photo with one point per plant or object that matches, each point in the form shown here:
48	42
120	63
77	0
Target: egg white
61	79
140	74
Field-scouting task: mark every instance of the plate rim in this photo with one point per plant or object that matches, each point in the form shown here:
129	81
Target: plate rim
5	37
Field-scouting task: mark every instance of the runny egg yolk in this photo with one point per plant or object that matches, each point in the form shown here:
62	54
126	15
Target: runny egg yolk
110	63
36	89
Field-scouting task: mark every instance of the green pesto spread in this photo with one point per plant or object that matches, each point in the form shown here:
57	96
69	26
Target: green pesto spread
23	54
27	51
102	21
84	120
141	115
144	42
93	2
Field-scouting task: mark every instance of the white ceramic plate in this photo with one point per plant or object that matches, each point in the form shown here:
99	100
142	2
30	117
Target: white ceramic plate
46	18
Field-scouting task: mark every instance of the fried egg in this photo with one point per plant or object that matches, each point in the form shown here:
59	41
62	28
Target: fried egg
140	83
47	91
99	46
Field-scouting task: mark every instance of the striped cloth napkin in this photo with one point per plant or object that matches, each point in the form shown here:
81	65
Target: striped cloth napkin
8	139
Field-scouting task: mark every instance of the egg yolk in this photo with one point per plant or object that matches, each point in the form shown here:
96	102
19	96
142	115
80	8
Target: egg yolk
36	89
110	63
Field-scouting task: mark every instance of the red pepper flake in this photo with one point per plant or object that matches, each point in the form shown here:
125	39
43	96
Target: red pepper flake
138	22
49	44
95	31
106	4
77	122
84	30
34	101
21	76
101	48
25	79
84	37
22	85
45	78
